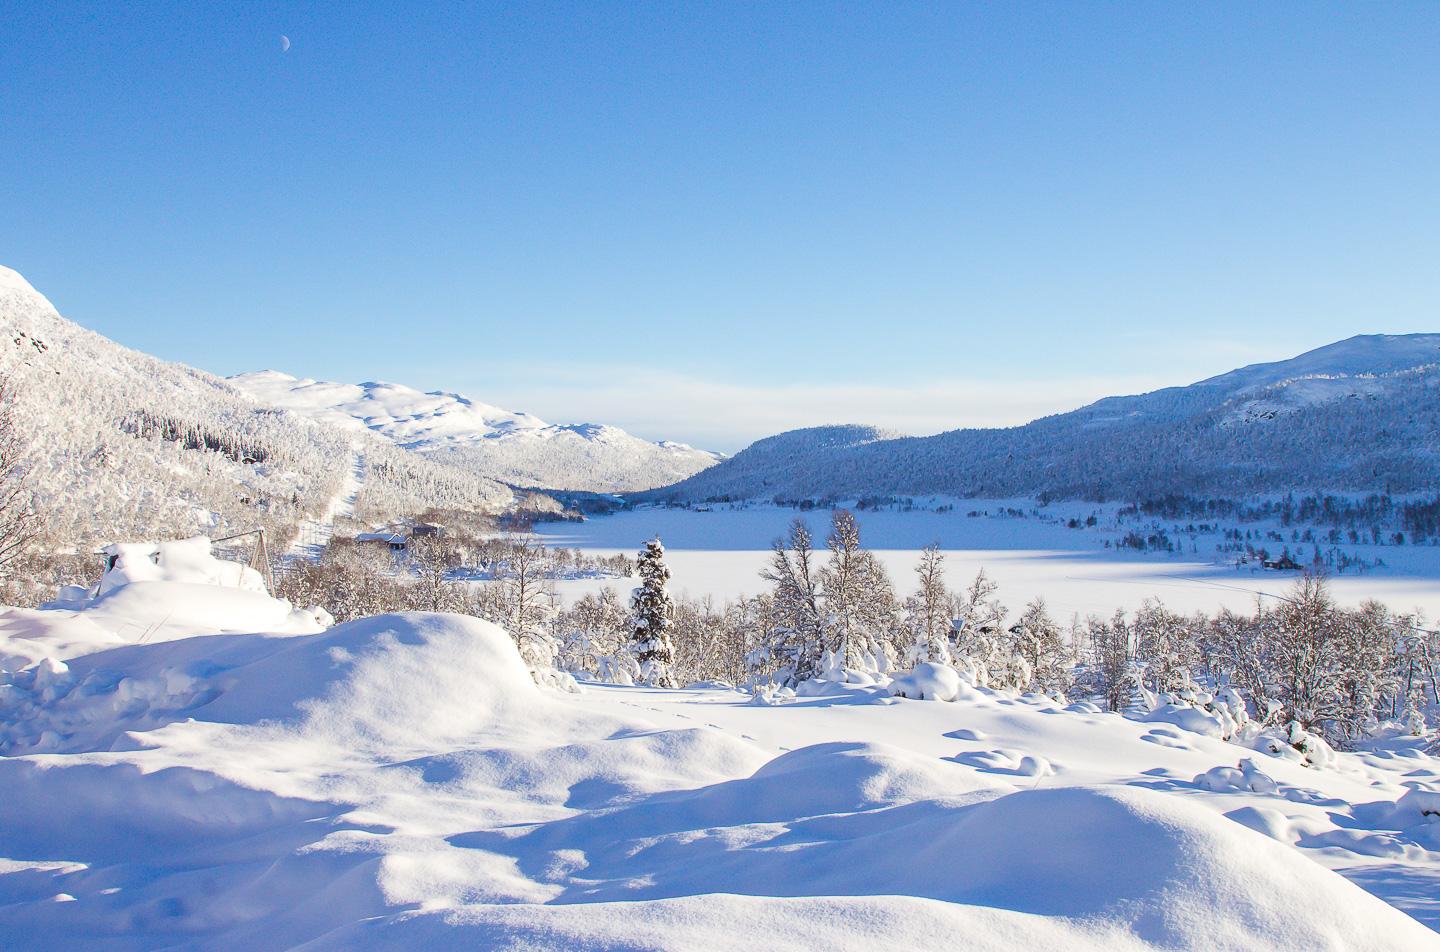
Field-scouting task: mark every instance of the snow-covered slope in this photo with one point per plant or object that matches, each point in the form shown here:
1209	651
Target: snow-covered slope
516	448
121	443
1357	415
402	782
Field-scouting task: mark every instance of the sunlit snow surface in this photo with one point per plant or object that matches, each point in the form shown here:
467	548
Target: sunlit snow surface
400	781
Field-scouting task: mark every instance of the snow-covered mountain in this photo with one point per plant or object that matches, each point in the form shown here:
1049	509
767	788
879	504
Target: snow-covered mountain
1358	415
516	448
123	444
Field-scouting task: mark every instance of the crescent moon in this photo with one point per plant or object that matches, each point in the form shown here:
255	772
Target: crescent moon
284	43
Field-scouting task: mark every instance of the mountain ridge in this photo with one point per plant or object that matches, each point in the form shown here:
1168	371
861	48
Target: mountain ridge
1309	422
514	447
121	444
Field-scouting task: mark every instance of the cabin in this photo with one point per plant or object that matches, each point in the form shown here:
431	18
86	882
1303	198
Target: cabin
1284	564
394	541
426	530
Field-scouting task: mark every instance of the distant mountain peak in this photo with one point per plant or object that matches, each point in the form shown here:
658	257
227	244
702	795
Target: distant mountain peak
512	446
13	281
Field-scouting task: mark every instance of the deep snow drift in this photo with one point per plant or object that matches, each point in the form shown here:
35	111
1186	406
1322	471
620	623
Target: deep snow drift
402	781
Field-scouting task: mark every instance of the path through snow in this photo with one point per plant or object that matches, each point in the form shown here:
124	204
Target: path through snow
315	534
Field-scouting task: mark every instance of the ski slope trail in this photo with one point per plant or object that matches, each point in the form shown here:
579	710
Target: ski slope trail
315	534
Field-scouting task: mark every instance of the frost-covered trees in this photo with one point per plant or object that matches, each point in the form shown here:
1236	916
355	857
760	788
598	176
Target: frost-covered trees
1368	655
795	645
651	617
1415	670
832	621
1165	647
1305	653
1238	647
17	518
1326	670
930	611
527	602
434	560
1111	646
596	639
1040	645
981	642
859	604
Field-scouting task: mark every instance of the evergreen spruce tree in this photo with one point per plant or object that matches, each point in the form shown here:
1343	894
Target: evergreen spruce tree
651	617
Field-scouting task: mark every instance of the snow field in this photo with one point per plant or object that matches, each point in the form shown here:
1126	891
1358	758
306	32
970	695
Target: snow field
276	818
721	554
402	781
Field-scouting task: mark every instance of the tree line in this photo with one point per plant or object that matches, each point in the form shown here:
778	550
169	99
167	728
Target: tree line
830	611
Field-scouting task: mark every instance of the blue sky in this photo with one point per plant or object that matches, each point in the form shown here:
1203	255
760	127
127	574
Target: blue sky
714	221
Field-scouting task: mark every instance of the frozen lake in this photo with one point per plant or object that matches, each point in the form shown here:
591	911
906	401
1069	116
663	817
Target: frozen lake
720	553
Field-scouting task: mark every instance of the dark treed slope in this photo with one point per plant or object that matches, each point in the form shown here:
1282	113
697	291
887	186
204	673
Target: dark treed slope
1358	415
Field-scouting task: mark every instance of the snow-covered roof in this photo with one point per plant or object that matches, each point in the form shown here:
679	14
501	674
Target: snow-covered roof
393	538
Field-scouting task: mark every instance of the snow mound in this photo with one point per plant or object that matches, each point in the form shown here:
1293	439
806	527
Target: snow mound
1246	778
843	821
1186	717
411	679
186	560
930	681
839	923
1005	761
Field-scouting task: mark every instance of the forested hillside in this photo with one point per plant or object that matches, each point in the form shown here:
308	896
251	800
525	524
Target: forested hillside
1359	415
119	444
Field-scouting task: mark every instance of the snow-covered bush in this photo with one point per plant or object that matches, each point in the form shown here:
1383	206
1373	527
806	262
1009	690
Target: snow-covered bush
1222	716
1297	744
1246	777
929	681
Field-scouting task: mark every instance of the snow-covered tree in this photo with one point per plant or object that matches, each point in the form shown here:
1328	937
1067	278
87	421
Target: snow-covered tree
1165	646
1415	667
859	603
434	561
980	643
1370	639
1113	660
651	617
795	645
595	639
1305	653
929	612
18	525
1039	643
528	603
